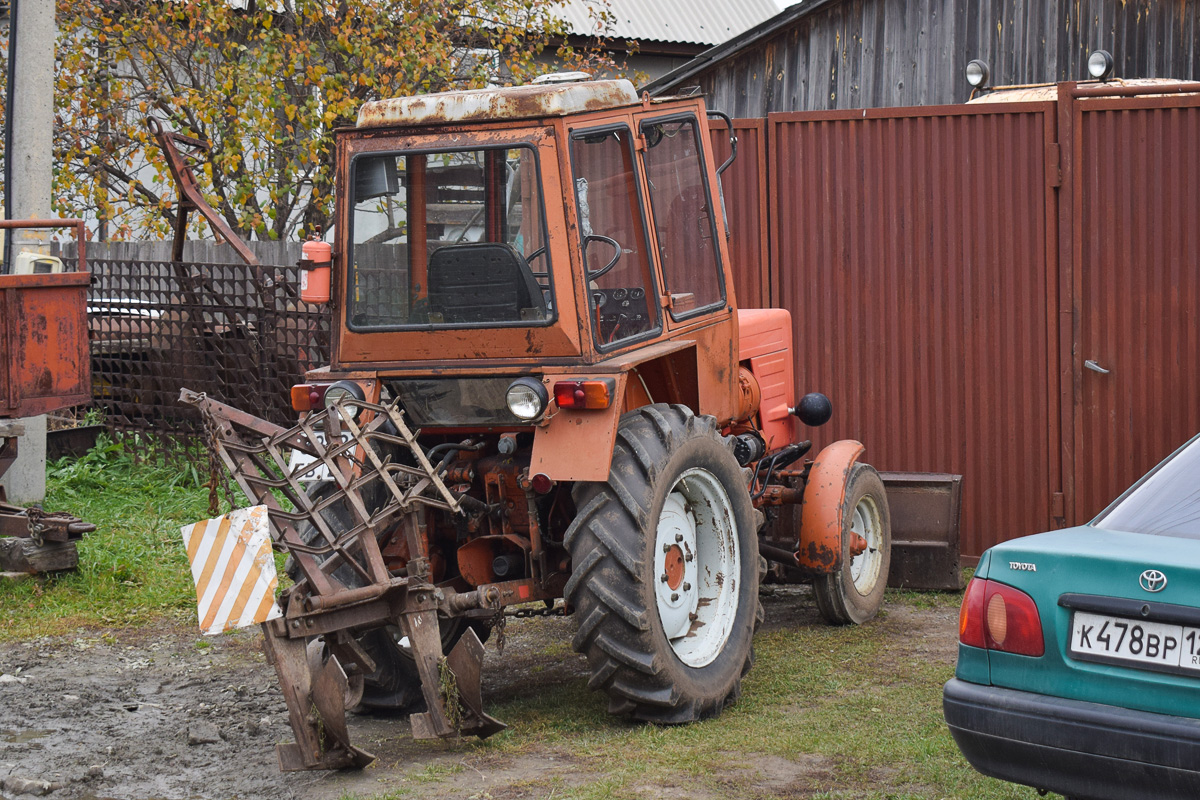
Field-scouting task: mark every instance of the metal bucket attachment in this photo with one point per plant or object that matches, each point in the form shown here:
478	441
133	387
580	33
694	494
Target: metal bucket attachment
926	509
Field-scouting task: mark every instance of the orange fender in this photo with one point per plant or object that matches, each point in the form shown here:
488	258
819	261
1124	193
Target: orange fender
820	546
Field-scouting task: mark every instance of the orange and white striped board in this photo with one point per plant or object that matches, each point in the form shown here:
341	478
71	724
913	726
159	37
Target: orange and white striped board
234	570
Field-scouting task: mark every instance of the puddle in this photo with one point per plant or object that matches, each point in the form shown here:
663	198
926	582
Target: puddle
21	737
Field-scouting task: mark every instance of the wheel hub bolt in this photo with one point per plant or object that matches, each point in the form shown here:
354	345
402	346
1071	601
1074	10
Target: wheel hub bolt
674	596
666	548
688	557
663	577
687	587
679	537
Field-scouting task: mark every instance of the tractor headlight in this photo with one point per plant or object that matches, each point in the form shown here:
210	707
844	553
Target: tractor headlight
527	398
349	393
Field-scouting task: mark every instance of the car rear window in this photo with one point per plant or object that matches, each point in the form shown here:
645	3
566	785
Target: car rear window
1165	502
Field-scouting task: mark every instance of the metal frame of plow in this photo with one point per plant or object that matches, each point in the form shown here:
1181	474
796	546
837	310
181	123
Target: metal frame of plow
314	647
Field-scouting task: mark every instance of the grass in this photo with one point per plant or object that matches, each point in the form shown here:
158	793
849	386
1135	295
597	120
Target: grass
132	569
863	718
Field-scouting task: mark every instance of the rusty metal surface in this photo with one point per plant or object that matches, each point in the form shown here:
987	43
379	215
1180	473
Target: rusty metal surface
181	162
926	511
43	334
1136	274
744	188
238	333
821	516
514	102
911	248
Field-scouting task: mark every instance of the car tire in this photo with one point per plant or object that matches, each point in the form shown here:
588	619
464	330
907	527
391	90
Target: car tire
854	593
674	490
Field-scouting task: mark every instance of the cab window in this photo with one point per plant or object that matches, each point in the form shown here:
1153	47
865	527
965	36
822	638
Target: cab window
622	300
448	239
683	220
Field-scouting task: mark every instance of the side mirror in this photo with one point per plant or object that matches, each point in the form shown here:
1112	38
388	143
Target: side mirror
814	409
375	177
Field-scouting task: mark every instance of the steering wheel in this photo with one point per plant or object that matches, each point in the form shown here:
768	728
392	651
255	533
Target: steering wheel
539	276
592	275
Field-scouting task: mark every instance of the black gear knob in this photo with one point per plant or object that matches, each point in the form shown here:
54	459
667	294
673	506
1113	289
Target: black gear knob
813	409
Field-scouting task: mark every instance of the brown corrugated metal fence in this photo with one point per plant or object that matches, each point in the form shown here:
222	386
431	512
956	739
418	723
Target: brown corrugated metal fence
910	247
951	269
744	188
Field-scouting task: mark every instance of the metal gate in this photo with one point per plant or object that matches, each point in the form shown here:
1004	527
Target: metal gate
960	277
1134	217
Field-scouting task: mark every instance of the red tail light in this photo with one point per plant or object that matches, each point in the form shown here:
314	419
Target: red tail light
996	616
585	394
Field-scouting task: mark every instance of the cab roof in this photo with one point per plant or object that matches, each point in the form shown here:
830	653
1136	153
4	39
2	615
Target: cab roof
515	102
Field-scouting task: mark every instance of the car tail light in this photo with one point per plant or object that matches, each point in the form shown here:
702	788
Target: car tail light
996	616
595	394
970	616
307	396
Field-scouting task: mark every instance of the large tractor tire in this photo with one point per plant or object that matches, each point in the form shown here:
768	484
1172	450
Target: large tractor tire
853	594
395	685
666	570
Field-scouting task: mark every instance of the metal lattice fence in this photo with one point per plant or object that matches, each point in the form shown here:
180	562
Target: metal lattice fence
238	333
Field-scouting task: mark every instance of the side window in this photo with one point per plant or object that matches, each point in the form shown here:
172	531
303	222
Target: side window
683	219
613	236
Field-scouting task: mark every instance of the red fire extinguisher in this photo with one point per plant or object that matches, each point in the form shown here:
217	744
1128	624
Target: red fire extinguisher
316	259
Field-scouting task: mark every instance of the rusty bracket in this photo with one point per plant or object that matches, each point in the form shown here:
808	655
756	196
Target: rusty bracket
181	163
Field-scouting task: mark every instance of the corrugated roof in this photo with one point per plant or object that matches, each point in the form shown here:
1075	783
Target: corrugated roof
705	22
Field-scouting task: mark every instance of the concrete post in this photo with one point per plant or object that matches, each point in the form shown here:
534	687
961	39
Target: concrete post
31	117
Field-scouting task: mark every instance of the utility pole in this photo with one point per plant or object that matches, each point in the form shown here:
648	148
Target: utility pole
29	134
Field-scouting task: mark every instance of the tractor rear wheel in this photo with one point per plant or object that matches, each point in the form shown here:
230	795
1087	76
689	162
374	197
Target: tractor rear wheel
854	593
666	570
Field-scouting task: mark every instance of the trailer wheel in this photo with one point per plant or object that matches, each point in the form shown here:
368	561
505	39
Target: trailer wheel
395	684
666	570
854	593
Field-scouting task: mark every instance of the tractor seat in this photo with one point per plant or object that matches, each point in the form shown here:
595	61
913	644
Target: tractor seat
483	282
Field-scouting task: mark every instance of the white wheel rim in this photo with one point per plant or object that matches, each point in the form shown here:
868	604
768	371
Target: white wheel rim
697	566
864	567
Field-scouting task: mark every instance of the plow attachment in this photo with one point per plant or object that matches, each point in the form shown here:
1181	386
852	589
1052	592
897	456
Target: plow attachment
380	486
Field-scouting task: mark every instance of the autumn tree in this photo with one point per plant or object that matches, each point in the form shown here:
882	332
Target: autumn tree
266	85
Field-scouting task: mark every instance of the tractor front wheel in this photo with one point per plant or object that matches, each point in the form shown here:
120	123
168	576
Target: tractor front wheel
854	593
666	570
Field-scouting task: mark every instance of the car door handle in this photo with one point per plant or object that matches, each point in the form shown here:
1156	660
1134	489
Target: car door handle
1094	367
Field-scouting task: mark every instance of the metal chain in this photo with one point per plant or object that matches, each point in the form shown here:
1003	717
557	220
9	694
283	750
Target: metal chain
526	613
499	620
34	516
217	476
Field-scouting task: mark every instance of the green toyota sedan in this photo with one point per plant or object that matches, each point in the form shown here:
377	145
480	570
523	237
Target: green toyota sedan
1079	650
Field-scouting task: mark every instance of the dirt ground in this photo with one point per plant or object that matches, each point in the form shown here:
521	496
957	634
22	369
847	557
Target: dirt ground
140	714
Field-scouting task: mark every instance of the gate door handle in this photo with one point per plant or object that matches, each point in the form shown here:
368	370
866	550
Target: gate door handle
1094	367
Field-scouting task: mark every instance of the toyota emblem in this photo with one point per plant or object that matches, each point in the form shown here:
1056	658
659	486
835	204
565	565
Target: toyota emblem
1153	581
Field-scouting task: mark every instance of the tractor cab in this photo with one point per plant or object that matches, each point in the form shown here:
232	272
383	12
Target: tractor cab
562	233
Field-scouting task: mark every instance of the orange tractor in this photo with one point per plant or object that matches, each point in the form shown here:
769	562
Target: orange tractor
541	392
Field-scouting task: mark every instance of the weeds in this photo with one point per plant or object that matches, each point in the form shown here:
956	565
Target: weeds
132	569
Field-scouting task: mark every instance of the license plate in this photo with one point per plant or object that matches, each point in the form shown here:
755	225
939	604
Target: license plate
1151	645
298	461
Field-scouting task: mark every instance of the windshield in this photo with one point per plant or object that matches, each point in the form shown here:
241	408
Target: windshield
448	239
1166	501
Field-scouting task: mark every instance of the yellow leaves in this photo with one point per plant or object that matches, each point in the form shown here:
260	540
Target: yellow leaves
267	89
